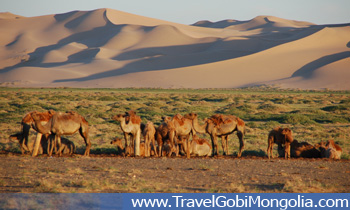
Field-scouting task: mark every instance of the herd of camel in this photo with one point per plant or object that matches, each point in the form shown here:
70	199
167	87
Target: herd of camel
172	136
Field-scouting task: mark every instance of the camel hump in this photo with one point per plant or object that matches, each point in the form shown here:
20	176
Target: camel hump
201	141
240	122
72	112
27	119
131	116
217	119
180	119
42	116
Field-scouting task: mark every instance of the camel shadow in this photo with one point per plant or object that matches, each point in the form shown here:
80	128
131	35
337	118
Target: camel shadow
254	153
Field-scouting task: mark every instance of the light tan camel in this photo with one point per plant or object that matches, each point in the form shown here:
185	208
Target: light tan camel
220	126
183	127
130	124
63	124
149	133
68	146
26	124
199	147
280	136
128	151
165	134
330	150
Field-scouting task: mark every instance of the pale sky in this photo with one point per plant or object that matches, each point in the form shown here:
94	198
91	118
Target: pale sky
191	11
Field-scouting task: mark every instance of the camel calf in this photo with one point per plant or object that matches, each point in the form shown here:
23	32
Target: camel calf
198	146
149	132
281	136
67	146
128	150
330	150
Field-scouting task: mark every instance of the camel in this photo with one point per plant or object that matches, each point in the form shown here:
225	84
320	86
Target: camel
128	151
281	136
301	149
130	124
330	150
26	124
68	146
63	124
183	127
199	147
165	133
220	126
149	133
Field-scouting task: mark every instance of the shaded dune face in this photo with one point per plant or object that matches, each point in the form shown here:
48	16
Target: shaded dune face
109	48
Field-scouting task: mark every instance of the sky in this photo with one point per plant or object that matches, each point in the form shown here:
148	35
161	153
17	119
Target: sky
191	11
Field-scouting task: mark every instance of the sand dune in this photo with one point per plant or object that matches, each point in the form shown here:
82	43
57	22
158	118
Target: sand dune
110	48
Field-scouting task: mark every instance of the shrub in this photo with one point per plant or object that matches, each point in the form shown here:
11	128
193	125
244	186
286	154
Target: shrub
296	119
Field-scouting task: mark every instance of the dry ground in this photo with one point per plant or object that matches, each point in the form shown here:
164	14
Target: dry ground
109	173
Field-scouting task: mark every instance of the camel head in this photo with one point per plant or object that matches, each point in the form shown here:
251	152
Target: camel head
117	141
118	117
191	116
17	136
288	134
131	112
166	119
322	144
35	115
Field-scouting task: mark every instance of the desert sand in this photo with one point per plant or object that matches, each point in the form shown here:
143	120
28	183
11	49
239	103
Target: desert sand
106	48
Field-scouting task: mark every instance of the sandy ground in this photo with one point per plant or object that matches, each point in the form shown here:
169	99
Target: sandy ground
113	49
109	173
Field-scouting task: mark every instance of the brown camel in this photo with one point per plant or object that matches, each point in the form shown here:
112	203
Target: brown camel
63	124
149	133
281	136
301	150
183	127
221	126
199	147
130	124
330	150
26	124
165	134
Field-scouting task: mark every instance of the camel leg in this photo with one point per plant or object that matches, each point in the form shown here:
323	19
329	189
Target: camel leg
36	144
177	146
84	132
172	139
287	151
241	143
137	143
160	152
21	144
214	144
88	146
268	150
25	131
270	142
52	140
188	147
147	147
154	146
58	141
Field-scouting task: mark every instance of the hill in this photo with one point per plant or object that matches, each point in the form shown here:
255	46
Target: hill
110	48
